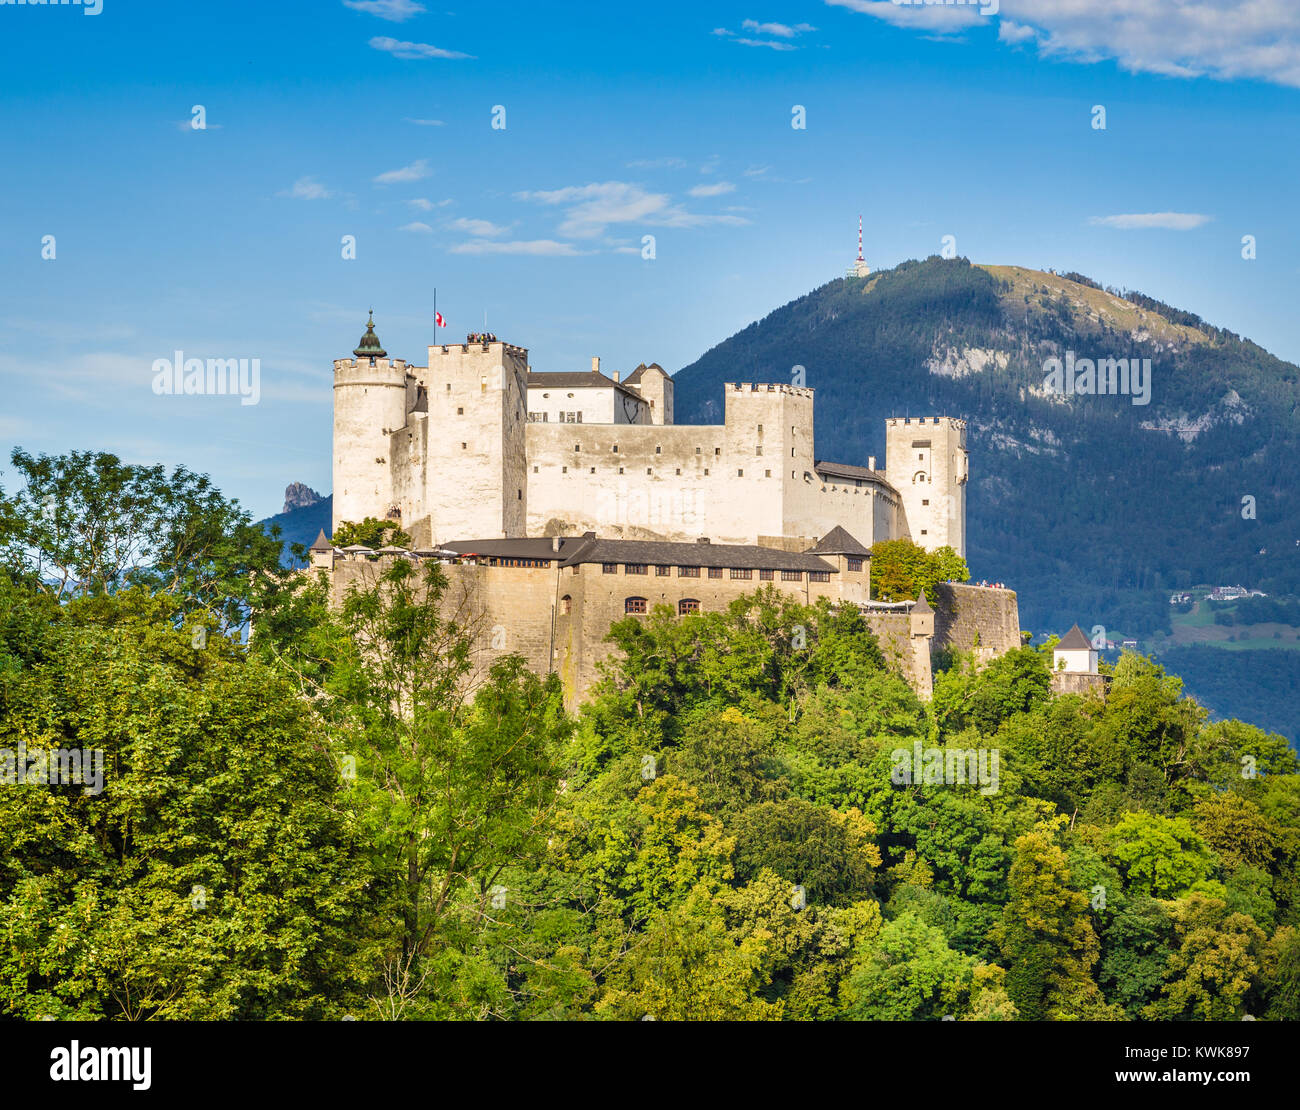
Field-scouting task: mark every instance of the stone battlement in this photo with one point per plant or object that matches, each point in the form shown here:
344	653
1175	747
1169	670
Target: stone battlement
768	387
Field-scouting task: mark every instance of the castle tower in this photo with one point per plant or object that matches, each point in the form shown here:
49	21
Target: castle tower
926	461
369	404
473	453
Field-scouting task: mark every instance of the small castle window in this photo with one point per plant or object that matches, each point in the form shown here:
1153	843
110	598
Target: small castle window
577	446
659	450
679	470
855	564
717	450
566	604
792	452
760	429
715	572
593	470
925	531
609	568
620	470
649	470
634	568
663	572
741	572
534	470
767	474
740	473
688	605
464	446
792	576
819	576
706	471
564	470
634	605
616	448
758	450
697	450
765	575
925	501
688	572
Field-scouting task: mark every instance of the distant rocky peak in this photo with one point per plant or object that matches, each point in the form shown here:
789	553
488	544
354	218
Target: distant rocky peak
299	496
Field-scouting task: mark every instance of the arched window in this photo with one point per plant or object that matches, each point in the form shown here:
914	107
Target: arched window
634	605
919	476
688	605
566	604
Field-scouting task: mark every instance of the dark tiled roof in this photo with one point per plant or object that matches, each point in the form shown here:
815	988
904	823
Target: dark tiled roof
580	379
1074	640
635	377
695	555
538	547
838	542
321	544
845	470
922	606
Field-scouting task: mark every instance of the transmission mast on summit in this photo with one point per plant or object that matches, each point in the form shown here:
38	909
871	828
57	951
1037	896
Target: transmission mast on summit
860	267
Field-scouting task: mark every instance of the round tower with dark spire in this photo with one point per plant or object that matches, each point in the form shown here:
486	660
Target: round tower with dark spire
370	405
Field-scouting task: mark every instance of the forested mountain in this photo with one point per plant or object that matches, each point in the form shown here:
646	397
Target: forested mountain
1094	508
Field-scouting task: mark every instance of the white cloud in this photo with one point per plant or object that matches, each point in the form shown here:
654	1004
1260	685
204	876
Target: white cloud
480	229
1172	221
590	209
426	122
529	246
400	49
757	171
784	30
781	34
424	204
414	172
307	188
416	226
715	190
395	11
1221	39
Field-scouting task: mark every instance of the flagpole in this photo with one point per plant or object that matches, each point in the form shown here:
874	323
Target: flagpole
435	315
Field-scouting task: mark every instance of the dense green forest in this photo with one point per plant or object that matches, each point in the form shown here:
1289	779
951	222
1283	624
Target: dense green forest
752	818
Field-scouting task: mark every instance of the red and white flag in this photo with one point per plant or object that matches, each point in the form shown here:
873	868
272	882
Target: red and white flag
438	320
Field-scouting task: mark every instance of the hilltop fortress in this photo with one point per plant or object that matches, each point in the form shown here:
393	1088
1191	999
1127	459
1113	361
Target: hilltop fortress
561	502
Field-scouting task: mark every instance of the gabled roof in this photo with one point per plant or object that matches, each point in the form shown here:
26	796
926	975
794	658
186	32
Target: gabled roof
635	377
321	544
1074	640
838	542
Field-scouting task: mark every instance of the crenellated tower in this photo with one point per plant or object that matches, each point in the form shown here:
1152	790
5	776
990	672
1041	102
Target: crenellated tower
926	461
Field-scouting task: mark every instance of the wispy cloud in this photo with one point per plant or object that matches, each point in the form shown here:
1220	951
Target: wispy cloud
395	11
590	209
423	228
714	190
548	247
307	188
1172	221
482	229
781	34
414	172
1224	39
424	204
413	50
426	122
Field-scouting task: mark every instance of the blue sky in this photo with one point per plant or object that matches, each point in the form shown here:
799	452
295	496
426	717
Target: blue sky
374	119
